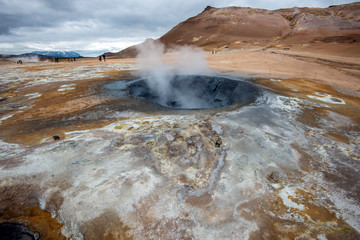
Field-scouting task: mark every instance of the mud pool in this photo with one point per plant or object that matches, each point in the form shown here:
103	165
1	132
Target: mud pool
194	92
286	164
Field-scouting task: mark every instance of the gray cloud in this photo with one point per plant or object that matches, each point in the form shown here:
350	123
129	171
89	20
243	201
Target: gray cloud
87	24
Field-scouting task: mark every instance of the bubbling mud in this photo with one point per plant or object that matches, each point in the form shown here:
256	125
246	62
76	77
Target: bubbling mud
195	92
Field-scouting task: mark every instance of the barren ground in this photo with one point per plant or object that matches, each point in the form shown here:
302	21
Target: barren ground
285	167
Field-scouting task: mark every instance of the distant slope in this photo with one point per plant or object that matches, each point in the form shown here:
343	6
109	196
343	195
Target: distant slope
129	52
57	53
238	27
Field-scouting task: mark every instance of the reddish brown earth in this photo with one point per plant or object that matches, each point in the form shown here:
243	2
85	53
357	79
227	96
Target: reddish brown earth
243	28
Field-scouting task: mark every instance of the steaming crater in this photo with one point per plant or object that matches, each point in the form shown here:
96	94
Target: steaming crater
197	92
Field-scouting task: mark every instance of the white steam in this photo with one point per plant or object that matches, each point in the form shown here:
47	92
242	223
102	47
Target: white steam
28	59
160	68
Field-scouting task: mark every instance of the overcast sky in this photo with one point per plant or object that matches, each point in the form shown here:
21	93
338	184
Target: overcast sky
91	27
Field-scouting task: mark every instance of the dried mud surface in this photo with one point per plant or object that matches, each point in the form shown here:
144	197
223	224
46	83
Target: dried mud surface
284	167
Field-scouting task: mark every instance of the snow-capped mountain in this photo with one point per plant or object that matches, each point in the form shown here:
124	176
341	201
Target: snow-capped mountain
57	53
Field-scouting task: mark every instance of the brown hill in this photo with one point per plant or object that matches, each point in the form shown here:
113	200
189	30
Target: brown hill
129	52
238	27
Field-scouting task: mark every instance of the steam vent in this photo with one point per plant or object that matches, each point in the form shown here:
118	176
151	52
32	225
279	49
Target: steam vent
254	136
193	92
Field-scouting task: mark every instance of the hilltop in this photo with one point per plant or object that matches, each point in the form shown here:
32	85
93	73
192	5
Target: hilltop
243	28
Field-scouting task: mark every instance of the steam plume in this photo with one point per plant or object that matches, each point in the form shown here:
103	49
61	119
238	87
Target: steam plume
159	69
28	59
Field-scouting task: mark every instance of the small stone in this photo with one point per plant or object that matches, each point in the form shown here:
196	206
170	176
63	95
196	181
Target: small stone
274	177
271	187
36	236
56	138
218	142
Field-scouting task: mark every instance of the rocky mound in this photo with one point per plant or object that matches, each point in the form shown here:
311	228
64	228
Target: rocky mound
238	27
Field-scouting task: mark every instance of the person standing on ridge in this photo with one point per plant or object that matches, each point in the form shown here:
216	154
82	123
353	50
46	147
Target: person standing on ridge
104	57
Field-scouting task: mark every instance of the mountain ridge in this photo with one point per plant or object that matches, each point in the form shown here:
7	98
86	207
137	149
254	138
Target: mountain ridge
57	53
243	28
